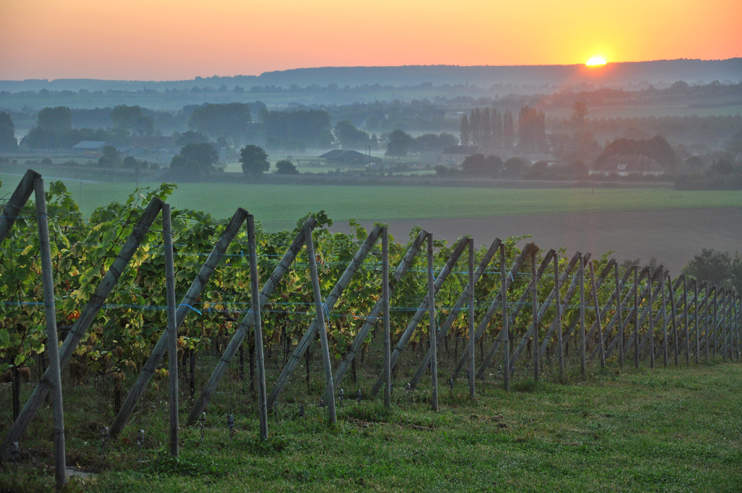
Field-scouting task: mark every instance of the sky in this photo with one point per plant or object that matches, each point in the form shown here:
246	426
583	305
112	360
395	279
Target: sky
175	40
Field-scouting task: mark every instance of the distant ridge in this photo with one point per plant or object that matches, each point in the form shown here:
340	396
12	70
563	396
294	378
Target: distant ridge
653	72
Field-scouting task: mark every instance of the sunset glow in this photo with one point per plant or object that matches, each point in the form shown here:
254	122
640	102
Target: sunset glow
595	61
169	39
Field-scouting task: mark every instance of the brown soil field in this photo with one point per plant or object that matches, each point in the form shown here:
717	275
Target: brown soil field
672	237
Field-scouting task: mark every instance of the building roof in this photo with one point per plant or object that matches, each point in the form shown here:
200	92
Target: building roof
90	144
343	154
461	150
635	163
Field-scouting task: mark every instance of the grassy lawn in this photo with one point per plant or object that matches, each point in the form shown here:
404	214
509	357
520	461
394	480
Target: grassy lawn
280	206
676	429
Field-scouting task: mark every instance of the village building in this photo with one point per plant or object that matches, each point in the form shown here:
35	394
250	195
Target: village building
635	164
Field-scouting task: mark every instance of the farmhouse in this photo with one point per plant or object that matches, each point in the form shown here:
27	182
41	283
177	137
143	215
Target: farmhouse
455	155
90	148
635	164
347	157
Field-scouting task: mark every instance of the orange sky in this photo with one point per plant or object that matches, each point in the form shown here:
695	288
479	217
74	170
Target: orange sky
169	39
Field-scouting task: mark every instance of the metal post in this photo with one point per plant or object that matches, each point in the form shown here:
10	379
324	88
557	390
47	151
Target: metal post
471	320
505	331
431	319
257	325
172	364
387	324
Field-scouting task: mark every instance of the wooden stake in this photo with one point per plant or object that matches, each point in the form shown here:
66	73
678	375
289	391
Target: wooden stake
194	291
505	332
241	332
581	274
695	311
471	320
706	321
16	202
257	324
387	314
431	322
318	305
685	321
597	316
665	352
558	316
443	329
80	327
636	317
172	332
50	313
534	312
650	329
619	308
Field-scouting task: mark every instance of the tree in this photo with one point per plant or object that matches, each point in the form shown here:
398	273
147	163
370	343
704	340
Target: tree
514	167
254	160
196	157
7	133
478	165
400	143
190	137
286	167
349	136
111	157
58	119
132	119
579	112
711	265
464	131
230	120
311	128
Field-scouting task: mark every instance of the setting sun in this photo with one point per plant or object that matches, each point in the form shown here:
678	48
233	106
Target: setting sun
595	61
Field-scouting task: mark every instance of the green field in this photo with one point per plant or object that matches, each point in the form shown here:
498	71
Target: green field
664	430
280	206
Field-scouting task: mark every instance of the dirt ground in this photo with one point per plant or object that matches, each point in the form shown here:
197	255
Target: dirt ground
672	237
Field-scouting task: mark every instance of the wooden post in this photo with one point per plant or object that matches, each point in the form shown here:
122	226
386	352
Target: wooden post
695	313
241	332
418	316
597	316
505	331
387	321
558	316
453	315
581	274
80	327
665	353
621	348
685	320
257	325
724	324
16	202
183	309
471	320
318	305
372	317
431	322
674	319
706	321
636	317
650	329
50	313
172	355
716	318
534	312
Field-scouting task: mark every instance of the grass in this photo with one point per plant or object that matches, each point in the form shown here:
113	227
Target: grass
675	429
280	206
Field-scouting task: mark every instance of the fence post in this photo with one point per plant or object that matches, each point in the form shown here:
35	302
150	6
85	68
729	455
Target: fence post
387	321
471	320
50	313
319	306
172	331
698	328
558	315
581	274
534	311
597	316
664	319
650	329
706	321
257	325
619	308
86	318
636	317
505	331
431	322
16	202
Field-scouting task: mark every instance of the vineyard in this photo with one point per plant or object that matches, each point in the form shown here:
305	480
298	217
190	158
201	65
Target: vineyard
216	316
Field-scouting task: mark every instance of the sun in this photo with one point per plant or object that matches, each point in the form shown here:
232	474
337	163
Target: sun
595	61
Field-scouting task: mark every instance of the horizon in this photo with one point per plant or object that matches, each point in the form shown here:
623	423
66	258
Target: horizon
167	40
